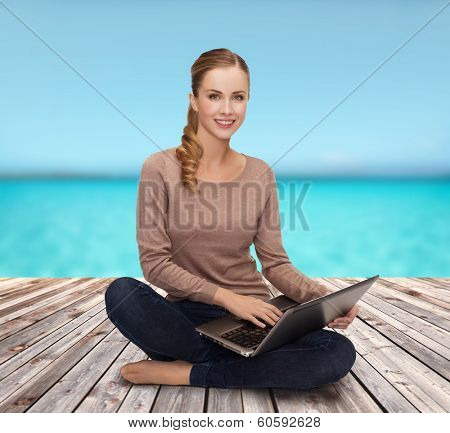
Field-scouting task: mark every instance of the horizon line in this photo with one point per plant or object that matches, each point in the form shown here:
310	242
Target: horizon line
75	175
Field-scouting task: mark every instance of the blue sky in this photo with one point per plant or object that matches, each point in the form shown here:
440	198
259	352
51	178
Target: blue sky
304	58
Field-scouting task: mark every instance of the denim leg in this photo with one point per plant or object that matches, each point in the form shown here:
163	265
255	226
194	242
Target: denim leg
314	360
162	329
165	331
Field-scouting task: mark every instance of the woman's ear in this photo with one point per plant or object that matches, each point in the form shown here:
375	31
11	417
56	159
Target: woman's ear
192	101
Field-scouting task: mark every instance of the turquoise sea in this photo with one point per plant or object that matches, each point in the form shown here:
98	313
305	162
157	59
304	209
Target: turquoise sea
346	227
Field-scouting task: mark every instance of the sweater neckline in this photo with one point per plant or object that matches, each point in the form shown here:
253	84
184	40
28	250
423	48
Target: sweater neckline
238	177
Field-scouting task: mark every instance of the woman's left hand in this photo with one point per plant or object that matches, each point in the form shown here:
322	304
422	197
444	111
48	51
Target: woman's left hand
344	321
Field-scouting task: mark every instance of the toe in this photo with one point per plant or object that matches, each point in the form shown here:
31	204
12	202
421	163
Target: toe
128	373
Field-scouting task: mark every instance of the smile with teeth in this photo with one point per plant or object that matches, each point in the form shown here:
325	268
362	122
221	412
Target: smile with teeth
224	122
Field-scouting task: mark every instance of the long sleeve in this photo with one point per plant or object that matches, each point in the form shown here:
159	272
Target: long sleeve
276	266
154	243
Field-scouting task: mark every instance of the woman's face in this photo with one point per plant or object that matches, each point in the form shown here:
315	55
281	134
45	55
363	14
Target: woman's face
223	95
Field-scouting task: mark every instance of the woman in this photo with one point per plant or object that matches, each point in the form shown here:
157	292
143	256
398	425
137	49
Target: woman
194	238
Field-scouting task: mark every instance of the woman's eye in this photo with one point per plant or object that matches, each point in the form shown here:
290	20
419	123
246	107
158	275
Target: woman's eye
239	96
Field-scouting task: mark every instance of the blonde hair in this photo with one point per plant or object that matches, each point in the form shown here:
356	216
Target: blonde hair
190	151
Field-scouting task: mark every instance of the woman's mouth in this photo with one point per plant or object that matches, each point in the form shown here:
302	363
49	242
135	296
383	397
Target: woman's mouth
224	123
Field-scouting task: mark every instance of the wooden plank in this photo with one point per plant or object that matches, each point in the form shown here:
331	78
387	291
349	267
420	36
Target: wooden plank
420	290
429	312
425	389
257	400
9	282
20	333
26	337
75	292
344	396
429	335
424	287
21	375
391	369
422	347
355	396
324	400
37	292
139	399
435	333
224	400
26	286
69	391
29	393
440	283
388	397
179	399
31	287
431	353
11	286
109	392
96	288
36	346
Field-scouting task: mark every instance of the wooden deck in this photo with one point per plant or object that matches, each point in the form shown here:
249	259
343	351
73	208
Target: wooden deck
59	352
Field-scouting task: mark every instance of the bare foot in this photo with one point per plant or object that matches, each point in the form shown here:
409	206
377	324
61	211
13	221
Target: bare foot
157	372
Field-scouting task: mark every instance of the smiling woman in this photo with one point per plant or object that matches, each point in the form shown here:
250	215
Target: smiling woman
212	273
218	104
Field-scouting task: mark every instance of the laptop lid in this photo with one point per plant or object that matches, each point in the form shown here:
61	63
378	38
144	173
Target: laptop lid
313	315
297	320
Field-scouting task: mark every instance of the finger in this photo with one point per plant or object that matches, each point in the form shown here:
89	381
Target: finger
340	322
271	317
353	312
334	323
255	321
278	312
265	318
349	314
339	326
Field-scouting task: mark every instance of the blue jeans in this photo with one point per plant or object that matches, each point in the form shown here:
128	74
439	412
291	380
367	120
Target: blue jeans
165	331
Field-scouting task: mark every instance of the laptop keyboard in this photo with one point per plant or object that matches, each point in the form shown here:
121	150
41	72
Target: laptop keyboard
248	335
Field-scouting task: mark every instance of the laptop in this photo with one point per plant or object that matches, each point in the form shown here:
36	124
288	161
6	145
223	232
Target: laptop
248	339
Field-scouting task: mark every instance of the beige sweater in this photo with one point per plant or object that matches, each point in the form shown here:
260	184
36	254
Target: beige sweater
191	245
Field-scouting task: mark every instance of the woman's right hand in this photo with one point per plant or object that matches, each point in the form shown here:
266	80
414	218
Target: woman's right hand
251	309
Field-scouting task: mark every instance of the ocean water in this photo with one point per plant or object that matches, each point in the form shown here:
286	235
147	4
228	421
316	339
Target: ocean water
344	227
